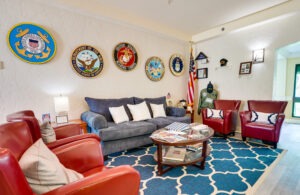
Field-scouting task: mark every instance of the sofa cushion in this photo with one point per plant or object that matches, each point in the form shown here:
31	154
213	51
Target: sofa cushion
101	106
159	100
118	114
174	111
126	130
158	110
160	122
261	117
139	112
183	119
213	113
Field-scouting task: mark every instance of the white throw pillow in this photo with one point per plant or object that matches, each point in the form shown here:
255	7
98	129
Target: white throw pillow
47	132
262	117
213	113
43	170
139	112
158	110
118	114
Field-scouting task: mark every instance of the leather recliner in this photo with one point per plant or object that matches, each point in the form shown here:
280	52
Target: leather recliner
84	156
269	133
227	124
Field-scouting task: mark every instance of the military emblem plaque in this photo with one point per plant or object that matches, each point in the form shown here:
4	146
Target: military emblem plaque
125	56
155	68
87	61
176	64
31	43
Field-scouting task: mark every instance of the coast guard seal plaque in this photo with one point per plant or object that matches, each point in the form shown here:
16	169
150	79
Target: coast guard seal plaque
87	61
125	56
155	68
31	43
176	64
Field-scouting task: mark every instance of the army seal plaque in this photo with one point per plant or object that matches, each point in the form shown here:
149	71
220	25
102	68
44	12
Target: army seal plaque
87	61
155	68
125	56
31	43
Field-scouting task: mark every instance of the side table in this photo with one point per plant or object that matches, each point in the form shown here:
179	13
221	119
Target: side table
82	124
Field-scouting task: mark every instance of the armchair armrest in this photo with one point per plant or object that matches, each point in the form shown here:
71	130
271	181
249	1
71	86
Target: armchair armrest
119	180
84	152
94	120
280	119
67	140
245	117
174	111
68	130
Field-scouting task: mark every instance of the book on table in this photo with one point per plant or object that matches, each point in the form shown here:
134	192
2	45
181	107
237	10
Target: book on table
175	153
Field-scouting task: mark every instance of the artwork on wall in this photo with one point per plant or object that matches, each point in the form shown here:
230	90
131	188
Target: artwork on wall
87	61
176	64
202	73
31	43
245	67
223	62
155	68
258	56
125	56
202	58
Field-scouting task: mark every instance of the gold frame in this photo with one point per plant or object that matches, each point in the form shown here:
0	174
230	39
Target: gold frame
172	58
154	58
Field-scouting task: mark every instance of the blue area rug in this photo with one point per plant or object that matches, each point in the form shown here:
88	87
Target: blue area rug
233	167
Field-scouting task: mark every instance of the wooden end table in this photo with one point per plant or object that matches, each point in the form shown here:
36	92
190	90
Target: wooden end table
193	160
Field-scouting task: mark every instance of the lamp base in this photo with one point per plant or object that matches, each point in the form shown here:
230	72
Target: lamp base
62	119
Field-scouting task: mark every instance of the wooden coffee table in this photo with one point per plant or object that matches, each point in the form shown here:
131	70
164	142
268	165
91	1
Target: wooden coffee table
192	158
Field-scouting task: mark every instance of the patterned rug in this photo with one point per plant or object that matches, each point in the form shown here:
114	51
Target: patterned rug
233	167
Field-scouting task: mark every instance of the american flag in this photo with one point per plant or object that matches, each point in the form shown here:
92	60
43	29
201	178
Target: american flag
191	83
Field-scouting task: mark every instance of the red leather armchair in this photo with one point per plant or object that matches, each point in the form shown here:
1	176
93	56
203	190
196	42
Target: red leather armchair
269	133
227	124
64	133
84	156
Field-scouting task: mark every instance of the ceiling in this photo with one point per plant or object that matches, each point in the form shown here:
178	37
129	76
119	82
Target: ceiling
181	17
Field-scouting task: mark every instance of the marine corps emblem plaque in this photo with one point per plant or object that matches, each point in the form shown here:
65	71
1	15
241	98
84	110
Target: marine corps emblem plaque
31	43
125	56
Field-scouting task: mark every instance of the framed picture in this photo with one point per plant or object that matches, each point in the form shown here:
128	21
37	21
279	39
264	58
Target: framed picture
176	64
46	117
155	69
245	67
125	56
202	73
258	56
87	61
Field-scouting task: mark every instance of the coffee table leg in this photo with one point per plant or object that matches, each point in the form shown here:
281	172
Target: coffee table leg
204	150
159	159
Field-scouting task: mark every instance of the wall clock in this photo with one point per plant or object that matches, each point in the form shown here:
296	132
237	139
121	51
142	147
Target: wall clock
31	43
176	64
125	56
87	61
155	68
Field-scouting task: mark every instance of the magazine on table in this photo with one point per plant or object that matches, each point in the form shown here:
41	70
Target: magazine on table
178	127
167	136
175	153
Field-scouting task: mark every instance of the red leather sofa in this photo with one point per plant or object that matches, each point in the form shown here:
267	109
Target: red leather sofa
227	124
269	133
84	156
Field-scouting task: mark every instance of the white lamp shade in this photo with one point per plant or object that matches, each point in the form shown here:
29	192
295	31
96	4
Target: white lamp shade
61	104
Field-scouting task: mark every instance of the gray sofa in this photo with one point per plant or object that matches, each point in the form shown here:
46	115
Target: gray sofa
127	135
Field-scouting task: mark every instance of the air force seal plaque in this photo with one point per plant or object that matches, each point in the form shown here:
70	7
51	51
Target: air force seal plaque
31	43
87	61
125	56
176	64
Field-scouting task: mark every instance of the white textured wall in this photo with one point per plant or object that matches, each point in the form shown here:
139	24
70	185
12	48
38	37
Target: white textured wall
27	86
237	47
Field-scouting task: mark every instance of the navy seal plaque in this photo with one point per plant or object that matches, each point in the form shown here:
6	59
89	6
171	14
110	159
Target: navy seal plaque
87	61
31	43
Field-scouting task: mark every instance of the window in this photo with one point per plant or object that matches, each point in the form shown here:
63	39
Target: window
296	97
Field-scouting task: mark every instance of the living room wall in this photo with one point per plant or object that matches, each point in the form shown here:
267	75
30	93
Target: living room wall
27	86
237	47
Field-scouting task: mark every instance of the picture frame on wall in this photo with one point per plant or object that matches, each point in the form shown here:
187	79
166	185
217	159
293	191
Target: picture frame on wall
245	68
202	73
258	56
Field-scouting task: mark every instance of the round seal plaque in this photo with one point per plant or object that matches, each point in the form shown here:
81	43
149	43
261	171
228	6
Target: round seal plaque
176	64
125	56
31	43
155	68
87	61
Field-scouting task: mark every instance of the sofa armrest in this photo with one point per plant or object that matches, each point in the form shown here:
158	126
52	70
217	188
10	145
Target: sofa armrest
118	180
174	111
68	130
85	152
94	120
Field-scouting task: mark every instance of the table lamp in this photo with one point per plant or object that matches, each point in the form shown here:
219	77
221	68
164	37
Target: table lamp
61	106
